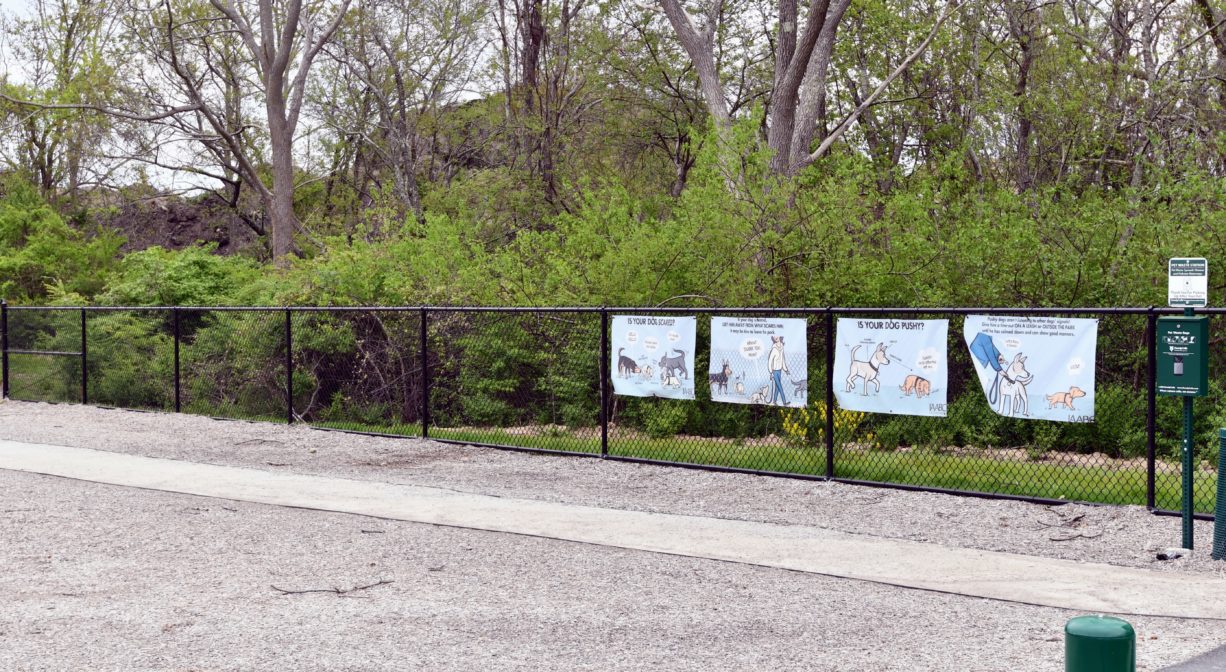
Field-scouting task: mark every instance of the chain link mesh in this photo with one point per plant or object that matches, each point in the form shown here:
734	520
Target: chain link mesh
44	377
975	449
233	363
521	379
359	371
131	359
531	379
711	432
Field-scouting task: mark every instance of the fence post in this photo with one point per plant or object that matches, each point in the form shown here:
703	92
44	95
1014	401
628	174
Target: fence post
174	312
289	367
84	361
1151	394
425	377
829	392
4	347
604	381
1219	516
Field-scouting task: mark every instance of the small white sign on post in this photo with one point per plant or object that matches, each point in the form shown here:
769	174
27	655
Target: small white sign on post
1187	282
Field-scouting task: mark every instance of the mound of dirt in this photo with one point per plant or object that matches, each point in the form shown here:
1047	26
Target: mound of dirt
175	223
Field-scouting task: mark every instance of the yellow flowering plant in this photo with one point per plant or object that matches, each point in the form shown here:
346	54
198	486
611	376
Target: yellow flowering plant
807	426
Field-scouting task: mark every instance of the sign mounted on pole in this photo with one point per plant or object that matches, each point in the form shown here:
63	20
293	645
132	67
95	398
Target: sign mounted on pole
1187	282
1182	344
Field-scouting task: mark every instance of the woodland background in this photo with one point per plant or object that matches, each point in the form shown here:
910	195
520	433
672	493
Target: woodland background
536	152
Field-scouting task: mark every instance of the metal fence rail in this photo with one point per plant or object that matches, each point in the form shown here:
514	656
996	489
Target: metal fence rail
538	379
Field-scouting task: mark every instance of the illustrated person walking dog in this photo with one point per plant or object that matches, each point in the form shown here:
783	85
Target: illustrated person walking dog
778	365
1009	387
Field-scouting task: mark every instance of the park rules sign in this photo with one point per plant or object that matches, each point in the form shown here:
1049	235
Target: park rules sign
1187	282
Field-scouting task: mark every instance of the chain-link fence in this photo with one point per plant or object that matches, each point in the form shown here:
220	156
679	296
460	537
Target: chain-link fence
709	431
531	379
44	355
973	448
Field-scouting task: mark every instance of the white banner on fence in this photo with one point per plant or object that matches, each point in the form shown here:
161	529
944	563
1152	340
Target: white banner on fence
883	365
653	356
1035	367
759	361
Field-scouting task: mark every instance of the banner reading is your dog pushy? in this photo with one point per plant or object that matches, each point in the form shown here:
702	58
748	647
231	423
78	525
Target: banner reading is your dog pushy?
1040	368
884	365
653	356
759	361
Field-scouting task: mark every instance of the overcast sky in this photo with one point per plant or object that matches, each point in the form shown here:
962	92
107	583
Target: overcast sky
13	6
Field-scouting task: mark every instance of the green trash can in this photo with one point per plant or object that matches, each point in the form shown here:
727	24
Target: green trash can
1099	644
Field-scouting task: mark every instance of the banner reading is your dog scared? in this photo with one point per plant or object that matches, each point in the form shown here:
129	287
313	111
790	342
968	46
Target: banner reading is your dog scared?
1035	367
883	365
759	361
653	356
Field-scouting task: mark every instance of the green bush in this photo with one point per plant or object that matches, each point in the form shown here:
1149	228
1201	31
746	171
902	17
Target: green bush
233	365
972	422
1046	438
193	276
344	410
484	410
569	388
131	362
42	257
665	418
893	433
1119	423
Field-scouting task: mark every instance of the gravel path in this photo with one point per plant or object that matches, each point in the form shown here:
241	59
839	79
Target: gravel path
104	578
1120	535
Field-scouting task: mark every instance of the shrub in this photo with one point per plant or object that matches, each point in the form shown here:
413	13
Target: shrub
893	434
665	418
1046	438
193	276
131	363
39	251
1119	423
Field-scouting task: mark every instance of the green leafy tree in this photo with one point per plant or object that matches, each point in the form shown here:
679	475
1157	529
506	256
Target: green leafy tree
42	257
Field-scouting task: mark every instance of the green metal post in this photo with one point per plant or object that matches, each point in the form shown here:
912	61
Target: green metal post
1188	472
1188	467
1099	644
1219	516
4	348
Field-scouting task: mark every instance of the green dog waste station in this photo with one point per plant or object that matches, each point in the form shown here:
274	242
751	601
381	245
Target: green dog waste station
1099	644
1183	356
1182	346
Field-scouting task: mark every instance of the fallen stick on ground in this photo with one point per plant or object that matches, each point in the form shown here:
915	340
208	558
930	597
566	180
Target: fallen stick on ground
338	591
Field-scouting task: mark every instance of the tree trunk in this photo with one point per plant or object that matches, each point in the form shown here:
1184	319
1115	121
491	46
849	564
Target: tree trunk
281	218
532	37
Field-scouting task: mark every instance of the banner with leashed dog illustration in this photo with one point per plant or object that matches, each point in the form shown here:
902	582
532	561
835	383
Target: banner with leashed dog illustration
653	356
759	361
1041	368
892	366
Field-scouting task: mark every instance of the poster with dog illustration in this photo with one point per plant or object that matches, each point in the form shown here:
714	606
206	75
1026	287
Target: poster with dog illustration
653	356
884	365
1040	368
759	361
